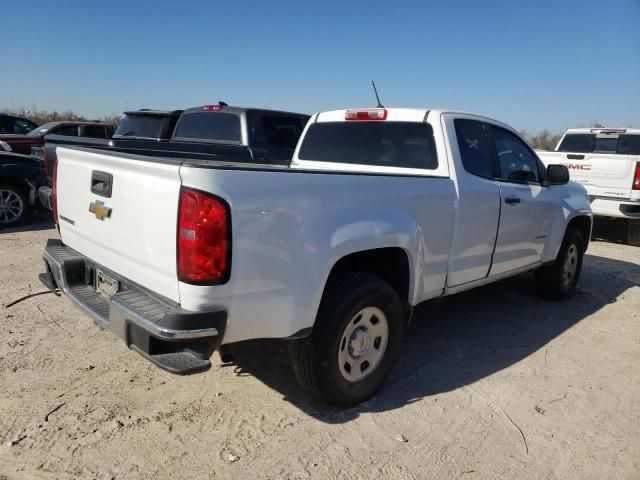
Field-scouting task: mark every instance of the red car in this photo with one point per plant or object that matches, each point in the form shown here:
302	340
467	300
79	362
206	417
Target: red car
23	143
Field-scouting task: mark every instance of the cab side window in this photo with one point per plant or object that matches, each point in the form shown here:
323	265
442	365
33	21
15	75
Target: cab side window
474	147
94	131
516	162
282	132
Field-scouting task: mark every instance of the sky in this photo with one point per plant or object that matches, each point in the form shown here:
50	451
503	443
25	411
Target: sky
534	65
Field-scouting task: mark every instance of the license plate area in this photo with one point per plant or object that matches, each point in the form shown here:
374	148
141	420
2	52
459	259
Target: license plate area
105	284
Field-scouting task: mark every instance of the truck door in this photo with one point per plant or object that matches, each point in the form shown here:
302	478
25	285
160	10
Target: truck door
526	205
478	201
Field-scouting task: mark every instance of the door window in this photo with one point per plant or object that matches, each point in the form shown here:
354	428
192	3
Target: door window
70	130
474	147
282	132
516	162
22	127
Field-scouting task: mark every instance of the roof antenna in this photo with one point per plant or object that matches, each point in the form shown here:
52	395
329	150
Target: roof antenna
377	97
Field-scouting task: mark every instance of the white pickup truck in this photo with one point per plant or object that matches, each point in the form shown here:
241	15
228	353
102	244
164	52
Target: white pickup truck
607	162
379	210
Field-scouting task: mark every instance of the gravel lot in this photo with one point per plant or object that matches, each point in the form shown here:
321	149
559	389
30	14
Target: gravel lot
493	383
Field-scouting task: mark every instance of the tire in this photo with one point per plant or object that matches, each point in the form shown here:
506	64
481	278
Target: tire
558	280
14	205
350	330
633	233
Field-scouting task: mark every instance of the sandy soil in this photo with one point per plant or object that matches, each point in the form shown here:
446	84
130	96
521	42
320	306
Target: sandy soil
493	383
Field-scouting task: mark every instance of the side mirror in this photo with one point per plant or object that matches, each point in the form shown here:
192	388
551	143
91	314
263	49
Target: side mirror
557	174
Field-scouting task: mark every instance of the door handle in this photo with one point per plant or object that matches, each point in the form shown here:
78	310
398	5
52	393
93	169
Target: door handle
512	200
101	183
575	157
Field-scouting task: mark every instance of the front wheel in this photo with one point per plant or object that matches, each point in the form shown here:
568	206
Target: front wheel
558	280
355	342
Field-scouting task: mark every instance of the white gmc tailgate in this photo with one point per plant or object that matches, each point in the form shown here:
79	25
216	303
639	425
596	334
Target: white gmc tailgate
602	174
138	239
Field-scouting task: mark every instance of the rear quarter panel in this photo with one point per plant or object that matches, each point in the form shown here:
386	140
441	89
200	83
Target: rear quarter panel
290	228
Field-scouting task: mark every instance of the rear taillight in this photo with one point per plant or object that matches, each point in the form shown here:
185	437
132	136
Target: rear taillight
636	178
204	238
366	114
54	191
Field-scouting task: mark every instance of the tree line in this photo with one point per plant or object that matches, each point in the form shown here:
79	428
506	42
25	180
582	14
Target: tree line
44	116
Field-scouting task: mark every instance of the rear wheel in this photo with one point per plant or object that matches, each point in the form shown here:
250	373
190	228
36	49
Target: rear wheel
633	233
355	342
14	205
558	280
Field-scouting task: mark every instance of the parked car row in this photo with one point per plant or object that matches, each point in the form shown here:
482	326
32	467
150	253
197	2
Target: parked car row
206	132
22	171
20	178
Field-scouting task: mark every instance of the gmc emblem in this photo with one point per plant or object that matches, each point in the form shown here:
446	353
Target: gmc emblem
577	166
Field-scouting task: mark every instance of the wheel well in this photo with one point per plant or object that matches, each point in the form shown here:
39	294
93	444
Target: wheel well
583	225
389	264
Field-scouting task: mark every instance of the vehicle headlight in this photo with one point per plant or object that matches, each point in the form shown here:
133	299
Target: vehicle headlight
6	147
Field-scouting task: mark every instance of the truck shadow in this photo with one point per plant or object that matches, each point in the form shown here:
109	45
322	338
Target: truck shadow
456	340
611	230
37	221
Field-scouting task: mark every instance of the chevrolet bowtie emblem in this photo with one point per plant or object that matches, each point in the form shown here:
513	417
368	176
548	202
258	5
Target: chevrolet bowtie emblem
99	210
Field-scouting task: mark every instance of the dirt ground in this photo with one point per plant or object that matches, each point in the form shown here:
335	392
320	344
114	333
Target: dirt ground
493	383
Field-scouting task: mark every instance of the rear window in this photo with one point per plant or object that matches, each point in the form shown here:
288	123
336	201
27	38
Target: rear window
624	144
388	144
142	126
606	144
629	144
578	143
209	126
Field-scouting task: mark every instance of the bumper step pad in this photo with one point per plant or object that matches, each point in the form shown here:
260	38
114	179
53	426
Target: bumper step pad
174	339
181	363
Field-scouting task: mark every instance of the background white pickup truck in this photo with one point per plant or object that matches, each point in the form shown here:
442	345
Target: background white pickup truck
607	162
380	209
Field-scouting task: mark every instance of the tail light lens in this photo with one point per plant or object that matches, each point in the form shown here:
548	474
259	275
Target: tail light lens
204	238
54	191
636	178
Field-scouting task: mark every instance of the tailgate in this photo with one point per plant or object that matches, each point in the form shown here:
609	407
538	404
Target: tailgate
608	175
138	238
